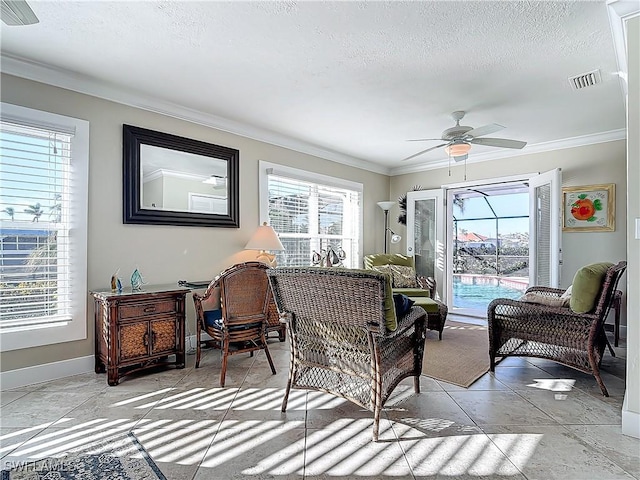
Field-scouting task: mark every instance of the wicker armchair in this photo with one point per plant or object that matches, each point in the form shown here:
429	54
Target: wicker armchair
237	321
340	343
577	340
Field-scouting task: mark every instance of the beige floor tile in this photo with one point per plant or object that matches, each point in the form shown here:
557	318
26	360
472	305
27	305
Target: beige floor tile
86	382
350	453
429	415
519	377
254	450
500	408
544	452
70	435
12	438
6	397
624	451
177	451
573	407
486	382
459	456
36	408
116	403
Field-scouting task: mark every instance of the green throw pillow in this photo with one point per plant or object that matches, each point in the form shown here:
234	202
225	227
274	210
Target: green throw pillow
586	285
389	306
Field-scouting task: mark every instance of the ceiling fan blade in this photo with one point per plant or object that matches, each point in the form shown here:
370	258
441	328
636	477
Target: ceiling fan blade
498	142
17	12
424	151
486	130
460	158
423	139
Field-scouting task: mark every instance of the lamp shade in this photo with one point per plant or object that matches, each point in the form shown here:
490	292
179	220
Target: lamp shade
386	206
264	238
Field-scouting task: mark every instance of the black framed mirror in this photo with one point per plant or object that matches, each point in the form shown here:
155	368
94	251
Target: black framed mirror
172	180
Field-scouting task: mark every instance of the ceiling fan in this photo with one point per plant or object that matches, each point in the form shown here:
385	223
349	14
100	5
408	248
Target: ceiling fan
17	12
458	139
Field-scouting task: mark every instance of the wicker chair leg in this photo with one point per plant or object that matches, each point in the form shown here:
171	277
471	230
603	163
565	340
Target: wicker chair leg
223	368
603	389
286	395
376	422
416	384
266	352
198	348
595	369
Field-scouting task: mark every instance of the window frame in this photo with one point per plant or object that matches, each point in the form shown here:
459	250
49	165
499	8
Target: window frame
27	336
269	168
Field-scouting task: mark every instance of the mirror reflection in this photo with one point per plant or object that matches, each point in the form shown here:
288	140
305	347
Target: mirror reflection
182	181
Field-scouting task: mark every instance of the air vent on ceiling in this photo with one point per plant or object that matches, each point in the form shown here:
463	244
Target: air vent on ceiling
585	80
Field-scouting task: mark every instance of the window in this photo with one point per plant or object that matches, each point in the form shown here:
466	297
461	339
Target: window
43	227
312	213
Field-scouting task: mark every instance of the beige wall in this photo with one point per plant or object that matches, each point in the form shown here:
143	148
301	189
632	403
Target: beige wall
594	164
164	254
631	423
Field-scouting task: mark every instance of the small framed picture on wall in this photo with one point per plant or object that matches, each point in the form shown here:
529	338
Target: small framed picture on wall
590	208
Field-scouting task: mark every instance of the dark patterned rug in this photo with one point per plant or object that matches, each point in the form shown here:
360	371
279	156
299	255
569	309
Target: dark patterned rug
136	465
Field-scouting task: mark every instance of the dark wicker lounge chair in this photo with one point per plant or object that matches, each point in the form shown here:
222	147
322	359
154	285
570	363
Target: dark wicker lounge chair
578	340
339	340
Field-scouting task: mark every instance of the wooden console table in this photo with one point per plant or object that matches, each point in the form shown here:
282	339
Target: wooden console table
136	330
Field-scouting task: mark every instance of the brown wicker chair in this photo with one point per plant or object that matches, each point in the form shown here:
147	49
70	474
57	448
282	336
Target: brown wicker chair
577	340
338	337
240	323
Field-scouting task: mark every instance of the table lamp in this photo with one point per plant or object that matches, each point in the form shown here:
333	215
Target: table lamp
264	239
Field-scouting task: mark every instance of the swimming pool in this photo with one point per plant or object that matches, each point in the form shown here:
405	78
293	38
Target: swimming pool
477	296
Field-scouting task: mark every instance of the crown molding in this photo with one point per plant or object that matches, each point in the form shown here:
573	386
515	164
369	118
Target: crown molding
40	72
580	141
47	74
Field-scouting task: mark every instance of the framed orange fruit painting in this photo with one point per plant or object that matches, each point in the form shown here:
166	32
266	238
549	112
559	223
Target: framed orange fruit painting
590	208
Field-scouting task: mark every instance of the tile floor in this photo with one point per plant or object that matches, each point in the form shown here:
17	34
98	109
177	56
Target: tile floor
500	428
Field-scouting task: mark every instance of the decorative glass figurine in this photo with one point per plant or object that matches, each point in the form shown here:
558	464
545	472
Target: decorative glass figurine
116	284
136	280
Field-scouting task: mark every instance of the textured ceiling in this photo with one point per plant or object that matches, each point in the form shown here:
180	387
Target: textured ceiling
354	78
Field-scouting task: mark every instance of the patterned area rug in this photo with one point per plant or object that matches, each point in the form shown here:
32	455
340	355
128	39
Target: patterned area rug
461	357
136	464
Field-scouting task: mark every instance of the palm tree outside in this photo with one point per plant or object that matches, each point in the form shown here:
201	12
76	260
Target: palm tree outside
35	210
10	211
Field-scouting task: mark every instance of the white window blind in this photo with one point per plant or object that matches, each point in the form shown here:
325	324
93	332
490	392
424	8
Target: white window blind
35	241
310	216
43	196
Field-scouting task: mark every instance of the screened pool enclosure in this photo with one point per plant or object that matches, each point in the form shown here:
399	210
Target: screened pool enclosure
490	251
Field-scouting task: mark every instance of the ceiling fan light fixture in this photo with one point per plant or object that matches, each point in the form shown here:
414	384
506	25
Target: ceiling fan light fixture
17	12
457	149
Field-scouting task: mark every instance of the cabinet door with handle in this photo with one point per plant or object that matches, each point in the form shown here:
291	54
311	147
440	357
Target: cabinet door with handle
134	340
163	335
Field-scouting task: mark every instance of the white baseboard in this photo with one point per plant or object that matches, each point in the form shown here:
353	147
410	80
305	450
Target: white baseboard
631	424
22	377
